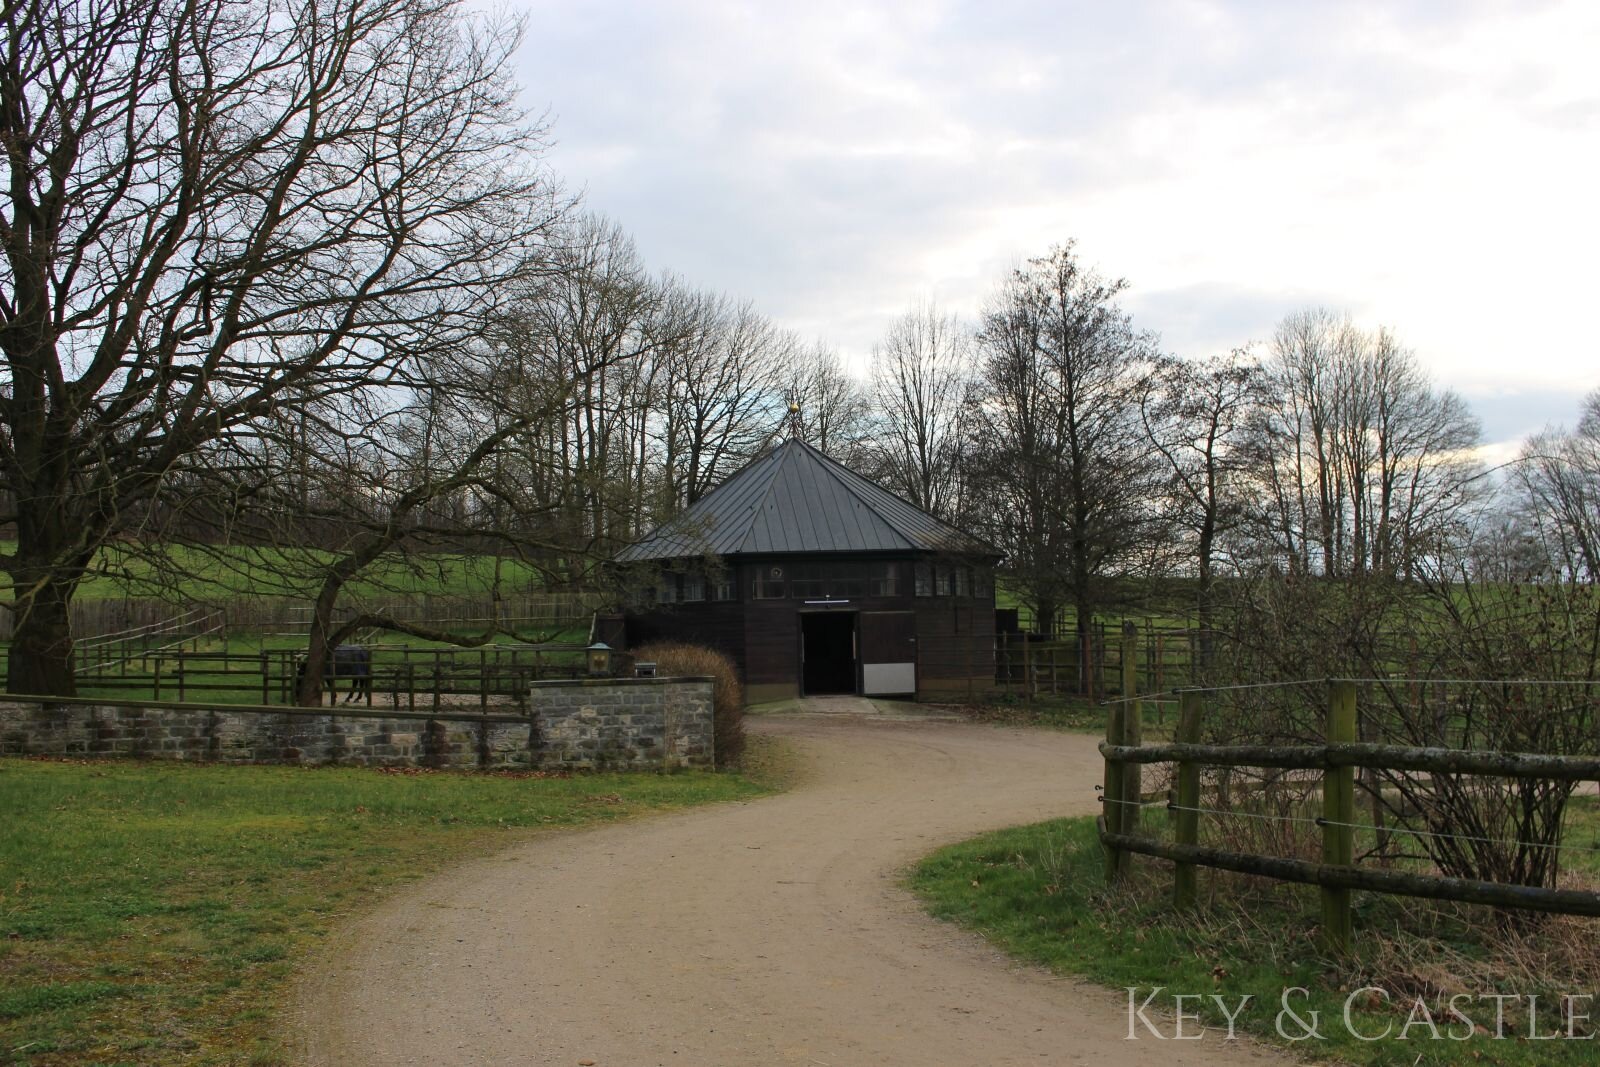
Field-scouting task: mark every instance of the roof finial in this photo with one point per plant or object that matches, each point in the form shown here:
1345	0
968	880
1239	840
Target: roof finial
797	425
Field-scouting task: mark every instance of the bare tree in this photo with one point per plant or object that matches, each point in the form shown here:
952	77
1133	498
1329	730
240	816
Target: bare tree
920	372
1557	483
1364	467
1069	480
1197	416
835	409
216	211
722	394
598	324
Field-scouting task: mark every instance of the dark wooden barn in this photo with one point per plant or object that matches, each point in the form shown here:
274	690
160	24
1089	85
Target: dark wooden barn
816	580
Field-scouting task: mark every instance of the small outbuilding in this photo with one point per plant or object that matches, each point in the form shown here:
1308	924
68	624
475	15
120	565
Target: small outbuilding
816	580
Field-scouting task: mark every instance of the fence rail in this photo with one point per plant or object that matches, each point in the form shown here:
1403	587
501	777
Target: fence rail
1164	657
1337	875
119	650
267	614
405	674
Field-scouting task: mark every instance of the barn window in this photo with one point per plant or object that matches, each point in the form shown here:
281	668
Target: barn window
924	579
723	587
694	588
963	584
943	581
769	584
842	581
886	582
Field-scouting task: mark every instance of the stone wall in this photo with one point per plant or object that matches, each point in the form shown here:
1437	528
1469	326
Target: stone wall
607	723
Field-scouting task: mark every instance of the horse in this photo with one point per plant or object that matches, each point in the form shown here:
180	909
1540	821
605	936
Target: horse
349	661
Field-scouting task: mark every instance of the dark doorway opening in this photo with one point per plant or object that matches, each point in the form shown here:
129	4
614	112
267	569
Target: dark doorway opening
828	652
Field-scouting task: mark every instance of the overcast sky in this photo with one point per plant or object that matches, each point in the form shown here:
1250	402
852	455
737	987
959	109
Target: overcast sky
1430	166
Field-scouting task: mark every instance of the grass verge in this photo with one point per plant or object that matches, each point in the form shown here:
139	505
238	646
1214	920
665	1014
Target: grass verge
1065	712
153	913
1039	892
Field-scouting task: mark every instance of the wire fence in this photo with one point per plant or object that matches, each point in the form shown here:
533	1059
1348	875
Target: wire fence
1324	768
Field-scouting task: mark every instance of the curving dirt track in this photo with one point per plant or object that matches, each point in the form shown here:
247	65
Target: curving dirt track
769	932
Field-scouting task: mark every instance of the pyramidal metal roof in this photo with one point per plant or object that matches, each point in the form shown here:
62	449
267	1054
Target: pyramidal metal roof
794	499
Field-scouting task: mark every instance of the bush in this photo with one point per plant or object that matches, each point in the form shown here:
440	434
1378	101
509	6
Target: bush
675	659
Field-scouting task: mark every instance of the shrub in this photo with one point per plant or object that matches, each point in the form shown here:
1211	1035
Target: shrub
673	658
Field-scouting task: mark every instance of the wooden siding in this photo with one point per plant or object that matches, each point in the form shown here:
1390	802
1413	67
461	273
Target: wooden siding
955	646
954	635
716	624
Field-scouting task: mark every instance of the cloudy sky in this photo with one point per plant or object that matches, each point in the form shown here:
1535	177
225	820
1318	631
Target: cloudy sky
1430	166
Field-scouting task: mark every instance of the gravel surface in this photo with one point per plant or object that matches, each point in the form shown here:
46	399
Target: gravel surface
773	931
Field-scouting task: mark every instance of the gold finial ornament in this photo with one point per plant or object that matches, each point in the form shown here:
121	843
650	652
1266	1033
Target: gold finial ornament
797	426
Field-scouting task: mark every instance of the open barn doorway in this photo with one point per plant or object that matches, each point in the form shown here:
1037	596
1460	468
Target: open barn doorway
828	652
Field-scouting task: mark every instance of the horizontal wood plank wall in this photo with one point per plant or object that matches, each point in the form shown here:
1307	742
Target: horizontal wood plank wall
772	649
955	646
718	625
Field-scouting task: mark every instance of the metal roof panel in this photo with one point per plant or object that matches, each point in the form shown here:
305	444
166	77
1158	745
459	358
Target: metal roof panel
794	499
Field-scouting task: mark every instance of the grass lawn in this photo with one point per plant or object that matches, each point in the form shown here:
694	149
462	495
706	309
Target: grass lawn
1040	893
220	574
1066	712
153	913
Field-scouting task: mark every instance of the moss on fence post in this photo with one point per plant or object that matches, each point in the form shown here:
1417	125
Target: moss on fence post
1338	813
1186	827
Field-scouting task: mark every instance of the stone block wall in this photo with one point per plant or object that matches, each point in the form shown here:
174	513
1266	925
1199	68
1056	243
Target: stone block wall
600	724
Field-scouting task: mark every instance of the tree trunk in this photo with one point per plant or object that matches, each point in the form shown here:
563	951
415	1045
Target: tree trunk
40	659
1204	600
1085	625
319	644
308	680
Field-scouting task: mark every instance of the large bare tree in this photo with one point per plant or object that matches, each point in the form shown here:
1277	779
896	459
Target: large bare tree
1364	466
1069	480
216	211
1557	485
1197	416
835	408
920	372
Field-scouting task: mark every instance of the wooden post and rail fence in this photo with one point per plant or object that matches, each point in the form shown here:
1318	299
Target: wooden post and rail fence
1031	665
406	675
1337	875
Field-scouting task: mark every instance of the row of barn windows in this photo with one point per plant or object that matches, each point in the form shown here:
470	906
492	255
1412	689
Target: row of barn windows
828	581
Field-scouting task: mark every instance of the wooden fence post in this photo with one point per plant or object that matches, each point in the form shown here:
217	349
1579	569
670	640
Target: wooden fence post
1338	807
1132	735
1005	659
1186	827
1027	670
1111	794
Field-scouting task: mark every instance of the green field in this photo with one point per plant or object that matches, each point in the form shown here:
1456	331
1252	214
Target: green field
223	573
1040	893
153	913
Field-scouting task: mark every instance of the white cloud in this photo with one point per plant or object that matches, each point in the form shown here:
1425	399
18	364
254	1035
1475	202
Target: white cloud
1427	166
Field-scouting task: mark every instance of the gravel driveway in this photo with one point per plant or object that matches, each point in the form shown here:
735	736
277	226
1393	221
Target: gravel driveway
767	932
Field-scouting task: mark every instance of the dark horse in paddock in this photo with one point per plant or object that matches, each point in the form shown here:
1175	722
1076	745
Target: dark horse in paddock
349	661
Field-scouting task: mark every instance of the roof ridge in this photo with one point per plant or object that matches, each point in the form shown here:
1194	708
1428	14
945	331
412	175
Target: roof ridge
766	493
833	467
836	469
764	507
